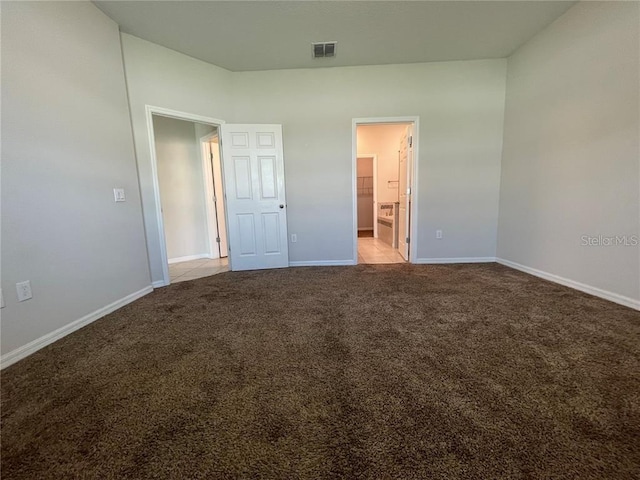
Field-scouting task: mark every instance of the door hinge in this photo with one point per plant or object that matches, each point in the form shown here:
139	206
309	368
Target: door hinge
408	240
214	199
411	141
218	239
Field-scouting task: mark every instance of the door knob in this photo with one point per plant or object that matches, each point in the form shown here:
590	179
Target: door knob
281	205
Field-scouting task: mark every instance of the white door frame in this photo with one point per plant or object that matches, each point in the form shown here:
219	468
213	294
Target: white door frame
374	160
415	120
207	175
151	110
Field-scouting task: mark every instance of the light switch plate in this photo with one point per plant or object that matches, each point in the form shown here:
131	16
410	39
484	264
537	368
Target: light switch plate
23	290
118	195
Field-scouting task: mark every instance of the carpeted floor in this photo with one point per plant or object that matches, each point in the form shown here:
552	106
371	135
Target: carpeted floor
367	372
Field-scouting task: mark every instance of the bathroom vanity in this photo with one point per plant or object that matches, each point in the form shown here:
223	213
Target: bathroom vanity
388	222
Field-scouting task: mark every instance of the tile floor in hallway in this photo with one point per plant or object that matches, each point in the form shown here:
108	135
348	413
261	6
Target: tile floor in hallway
373	250
204	267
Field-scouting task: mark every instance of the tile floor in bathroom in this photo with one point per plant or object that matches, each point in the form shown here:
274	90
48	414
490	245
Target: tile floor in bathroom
204	267
372	250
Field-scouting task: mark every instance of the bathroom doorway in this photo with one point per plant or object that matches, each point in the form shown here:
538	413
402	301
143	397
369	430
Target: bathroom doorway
384	164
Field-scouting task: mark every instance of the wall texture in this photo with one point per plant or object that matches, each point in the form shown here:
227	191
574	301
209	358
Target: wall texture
571	148
66	143
182	187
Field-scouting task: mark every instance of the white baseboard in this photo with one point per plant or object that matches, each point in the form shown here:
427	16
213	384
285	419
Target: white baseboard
189	257
158	284
31	347
598	292
322	263
435	261
325	263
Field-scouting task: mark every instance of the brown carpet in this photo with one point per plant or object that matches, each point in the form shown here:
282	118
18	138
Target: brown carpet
367	372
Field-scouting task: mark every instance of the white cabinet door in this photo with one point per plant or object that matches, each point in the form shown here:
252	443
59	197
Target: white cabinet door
253	166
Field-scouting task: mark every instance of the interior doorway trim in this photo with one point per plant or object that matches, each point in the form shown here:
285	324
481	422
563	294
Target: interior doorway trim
374	160
415	120
213	230
151	110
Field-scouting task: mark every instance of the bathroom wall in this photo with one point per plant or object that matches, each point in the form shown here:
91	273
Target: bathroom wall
384	142
365	193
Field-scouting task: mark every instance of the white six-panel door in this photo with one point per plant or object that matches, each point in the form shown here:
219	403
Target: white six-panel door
253	164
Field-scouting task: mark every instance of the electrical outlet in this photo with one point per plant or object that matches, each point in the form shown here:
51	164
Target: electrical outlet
294	238
118	195
438	234
24	290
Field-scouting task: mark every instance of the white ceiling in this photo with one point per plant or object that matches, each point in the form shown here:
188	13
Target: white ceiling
265	35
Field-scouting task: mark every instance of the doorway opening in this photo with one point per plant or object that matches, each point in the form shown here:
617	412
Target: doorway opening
252	219
384	156
191	197
367	195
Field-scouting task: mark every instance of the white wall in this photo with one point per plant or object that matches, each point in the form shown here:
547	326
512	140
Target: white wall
182	188
383	141
460	105
571	148
66	143
365	167
161	77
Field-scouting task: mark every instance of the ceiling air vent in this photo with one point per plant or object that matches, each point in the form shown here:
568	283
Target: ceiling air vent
324	49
